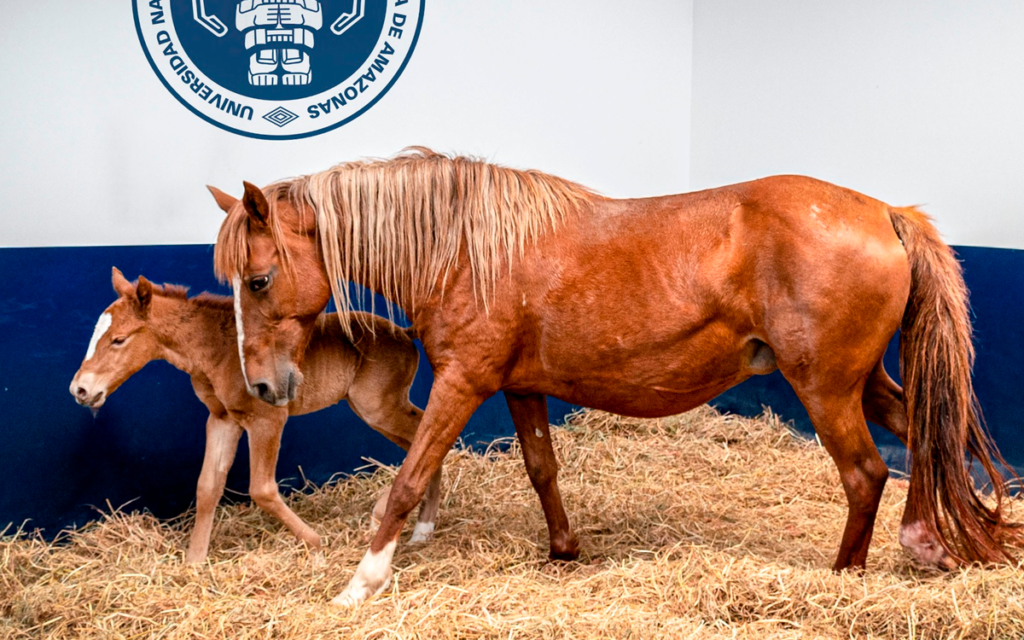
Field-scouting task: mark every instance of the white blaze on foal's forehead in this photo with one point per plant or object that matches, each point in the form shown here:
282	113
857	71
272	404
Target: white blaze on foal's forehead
236	283
102	325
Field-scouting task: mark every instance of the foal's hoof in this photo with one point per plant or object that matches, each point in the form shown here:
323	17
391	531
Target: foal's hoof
317	559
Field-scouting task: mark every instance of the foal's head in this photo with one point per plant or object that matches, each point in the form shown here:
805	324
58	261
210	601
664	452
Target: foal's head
271	257
121	343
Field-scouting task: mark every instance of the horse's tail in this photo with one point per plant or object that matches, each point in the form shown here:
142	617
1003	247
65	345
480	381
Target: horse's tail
945	421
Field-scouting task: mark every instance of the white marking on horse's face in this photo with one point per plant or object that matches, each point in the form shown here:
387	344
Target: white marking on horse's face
422	532
235	284
372	576
537	432
102	325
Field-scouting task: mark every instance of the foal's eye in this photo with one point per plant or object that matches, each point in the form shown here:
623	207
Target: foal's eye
259	283
117	342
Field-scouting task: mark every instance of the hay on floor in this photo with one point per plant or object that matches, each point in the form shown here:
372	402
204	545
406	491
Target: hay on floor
695	526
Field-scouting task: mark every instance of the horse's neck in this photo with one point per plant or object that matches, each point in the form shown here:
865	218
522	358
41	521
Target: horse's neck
190	336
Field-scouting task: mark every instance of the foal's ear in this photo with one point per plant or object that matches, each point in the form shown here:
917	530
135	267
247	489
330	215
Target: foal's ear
224	201
121	284
143	293
256	204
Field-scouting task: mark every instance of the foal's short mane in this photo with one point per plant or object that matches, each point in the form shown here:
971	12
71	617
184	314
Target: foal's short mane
177	291
398	226
180	292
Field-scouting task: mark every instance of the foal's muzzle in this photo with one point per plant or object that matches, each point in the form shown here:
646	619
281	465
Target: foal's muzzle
85	396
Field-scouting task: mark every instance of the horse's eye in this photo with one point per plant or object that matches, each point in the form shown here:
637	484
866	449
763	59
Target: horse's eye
259	283
117	342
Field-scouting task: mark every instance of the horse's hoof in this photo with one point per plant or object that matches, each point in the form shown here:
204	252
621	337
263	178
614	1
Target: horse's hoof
373	575
568	555
356	594
565	548
924	546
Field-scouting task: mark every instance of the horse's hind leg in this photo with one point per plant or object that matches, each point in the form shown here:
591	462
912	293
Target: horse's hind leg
839	422
530	416
221	444
917	533
883	403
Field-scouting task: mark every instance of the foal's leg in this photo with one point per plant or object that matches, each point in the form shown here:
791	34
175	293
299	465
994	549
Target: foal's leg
839	422
452	401
221	443
264	444
530	415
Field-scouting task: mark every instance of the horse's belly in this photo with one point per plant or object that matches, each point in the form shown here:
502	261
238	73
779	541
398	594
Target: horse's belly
653	383
642	401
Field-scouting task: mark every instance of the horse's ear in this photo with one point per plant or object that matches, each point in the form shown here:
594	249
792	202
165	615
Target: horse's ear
121	284
256	204
224	201
143	293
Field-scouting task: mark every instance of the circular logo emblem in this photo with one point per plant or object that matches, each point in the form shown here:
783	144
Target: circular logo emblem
278	69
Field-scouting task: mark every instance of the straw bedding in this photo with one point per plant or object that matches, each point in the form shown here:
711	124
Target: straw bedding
695	526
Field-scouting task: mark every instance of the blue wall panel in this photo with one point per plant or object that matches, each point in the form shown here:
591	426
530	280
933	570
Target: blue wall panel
58	463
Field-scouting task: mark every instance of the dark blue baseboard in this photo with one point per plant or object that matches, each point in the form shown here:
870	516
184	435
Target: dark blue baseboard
58	464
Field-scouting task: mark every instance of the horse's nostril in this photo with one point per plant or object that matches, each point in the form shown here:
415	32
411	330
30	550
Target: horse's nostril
262	390
80	392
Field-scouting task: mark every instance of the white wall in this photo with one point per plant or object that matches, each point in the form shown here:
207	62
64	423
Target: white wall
913	102
94	150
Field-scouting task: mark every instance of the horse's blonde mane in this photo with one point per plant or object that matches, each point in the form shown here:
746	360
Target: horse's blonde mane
398	226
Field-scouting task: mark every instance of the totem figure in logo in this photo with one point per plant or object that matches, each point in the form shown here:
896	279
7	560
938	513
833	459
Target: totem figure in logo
279	36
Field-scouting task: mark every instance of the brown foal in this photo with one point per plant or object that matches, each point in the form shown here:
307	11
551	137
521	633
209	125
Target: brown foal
373	372
524	282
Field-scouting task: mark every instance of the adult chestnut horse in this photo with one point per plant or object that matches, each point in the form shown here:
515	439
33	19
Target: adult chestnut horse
524	282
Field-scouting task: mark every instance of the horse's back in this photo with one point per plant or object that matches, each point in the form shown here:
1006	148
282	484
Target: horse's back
673	294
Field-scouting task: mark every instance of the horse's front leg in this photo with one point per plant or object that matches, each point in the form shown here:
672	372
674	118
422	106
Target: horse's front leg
221	444
264	445
452	401
382	402
530	415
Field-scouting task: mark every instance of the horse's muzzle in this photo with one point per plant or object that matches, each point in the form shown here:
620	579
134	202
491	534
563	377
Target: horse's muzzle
279	394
